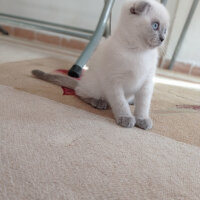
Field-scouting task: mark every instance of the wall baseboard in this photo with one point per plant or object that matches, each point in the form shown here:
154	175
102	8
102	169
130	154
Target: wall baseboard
184	68
45	37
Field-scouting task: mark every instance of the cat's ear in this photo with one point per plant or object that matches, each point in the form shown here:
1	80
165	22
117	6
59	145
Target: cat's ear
141	7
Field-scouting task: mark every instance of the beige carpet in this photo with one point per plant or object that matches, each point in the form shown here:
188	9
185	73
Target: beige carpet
179	124
51	151
55	147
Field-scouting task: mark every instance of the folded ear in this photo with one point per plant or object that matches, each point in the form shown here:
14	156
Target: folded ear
140	7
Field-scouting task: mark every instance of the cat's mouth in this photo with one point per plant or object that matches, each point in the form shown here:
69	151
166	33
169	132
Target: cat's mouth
154	45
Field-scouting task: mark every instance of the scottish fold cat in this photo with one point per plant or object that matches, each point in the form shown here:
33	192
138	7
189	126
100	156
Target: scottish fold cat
122	68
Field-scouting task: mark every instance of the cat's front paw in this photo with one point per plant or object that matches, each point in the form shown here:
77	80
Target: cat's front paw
145	124
126	122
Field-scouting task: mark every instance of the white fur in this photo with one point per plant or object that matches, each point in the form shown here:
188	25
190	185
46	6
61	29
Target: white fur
123	66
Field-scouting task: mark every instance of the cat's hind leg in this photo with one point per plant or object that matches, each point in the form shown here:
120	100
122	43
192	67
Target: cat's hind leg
91	98
89	91
96	103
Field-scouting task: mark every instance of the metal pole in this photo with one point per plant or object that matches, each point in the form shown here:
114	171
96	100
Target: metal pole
162	59
183	34
76	70
107	31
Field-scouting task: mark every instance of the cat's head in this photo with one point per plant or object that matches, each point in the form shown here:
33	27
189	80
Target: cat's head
144	23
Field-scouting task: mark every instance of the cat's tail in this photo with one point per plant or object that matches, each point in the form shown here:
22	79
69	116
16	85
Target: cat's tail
65	81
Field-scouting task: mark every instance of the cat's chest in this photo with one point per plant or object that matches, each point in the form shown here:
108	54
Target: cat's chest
138	61
132	80
135	69
135	72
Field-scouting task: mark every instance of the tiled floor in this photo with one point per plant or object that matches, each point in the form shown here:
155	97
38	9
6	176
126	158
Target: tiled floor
177	75
13	49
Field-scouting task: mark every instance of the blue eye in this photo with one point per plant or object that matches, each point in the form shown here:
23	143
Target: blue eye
155	26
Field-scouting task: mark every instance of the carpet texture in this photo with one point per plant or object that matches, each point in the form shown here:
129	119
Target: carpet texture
169	120
55	147
51	151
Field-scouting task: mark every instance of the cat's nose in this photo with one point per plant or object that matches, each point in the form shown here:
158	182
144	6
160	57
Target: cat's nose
162	38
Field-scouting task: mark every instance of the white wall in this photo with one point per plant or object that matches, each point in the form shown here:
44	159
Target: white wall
81	13
85	13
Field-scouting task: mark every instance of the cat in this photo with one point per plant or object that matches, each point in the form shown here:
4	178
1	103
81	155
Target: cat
123	66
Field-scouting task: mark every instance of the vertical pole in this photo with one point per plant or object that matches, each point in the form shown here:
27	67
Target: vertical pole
183	34
173	16
107	32
76	69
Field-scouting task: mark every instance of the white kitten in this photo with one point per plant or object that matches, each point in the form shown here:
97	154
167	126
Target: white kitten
123	66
